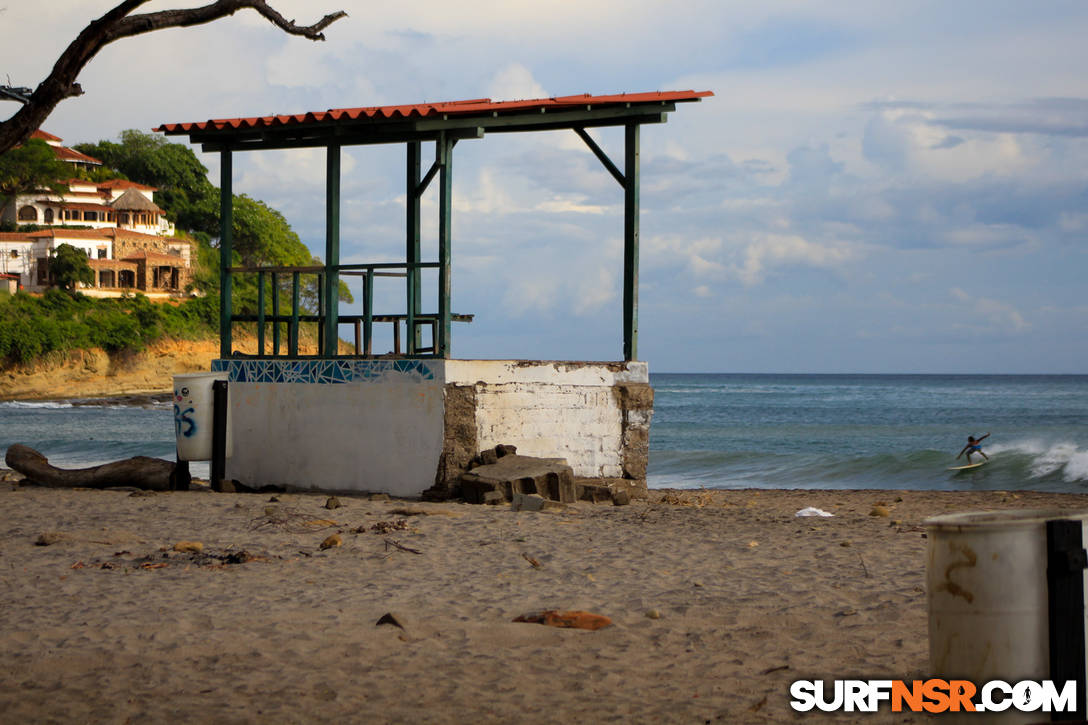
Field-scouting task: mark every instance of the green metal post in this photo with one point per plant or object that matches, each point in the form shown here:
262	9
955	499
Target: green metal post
444	152
630	242
226	249
260	313
332	250
292	331
321	314
275	314
368	310
412	251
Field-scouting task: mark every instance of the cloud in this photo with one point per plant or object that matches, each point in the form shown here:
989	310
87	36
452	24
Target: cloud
987	315
515	82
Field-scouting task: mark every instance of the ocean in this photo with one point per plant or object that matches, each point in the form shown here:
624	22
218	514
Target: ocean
739	431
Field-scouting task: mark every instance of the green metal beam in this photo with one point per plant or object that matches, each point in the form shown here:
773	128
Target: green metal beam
444	158
630	242
601	155
226	250
412	250
332	250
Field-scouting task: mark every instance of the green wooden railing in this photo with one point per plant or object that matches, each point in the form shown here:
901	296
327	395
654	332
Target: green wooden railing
287	282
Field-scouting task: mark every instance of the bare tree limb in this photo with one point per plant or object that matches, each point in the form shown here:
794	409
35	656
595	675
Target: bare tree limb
120	23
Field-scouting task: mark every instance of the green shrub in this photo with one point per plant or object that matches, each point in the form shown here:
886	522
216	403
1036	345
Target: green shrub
32	327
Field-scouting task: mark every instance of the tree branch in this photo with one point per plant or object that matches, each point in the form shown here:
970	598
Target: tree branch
120	23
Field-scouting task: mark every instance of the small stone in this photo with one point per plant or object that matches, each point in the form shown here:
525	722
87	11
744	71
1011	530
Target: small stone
845	543
527	502
332	503
494	498
879	510
653	614
379	497
505	450
332	541
621	498
190	547
271	510
48	538
274	499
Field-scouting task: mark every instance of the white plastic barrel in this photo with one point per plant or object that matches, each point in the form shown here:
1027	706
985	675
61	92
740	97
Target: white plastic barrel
193	415
986	578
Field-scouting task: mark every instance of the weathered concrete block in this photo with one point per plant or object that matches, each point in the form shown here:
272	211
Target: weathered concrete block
552	478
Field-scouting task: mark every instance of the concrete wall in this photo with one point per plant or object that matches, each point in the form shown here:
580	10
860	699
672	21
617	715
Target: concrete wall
552	409
400	426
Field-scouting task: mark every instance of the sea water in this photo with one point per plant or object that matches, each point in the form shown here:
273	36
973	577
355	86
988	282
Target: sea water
734	431
868	431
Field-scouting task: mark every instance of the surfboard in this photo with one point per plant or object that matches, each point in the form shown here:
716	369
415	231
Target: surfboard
968	467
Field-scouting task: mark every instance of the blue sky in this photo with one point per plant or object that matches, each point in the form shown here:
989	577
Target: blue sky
875	187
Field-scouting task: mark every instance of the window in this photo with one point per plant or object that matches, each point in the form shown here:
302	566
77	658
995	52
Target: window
124	217
101	253
49	216
28	214
90	216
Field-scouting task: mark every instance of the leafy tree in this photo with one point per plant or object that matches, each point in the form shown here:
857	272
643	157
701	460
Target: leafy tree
69	266
30	167
184	192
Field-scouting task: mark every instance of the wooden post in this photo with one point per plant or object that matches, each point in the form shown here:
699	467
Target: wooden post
630	242
412	252
368	310
226	249
444	152
332	250
260	314
292	331
275	315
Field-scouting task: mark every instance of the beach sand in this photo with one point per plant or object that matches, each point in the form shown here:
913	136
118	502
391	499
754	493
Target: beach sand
718	602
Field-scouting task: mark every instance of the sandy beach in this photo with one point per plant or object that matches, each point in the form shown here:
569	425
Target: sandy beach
718	602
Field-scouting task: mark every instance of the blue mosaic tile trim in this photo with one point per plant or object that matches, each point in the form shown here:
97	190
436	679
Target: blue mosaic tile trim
323	371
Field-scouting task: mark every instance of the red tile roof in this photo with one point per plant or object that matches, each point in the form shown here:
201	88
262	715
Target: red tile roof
474	107
15	237
45	136
124	184
66	154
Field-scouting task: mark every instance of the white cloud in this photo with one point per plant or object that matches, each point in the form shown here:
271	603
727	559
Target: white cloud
515	82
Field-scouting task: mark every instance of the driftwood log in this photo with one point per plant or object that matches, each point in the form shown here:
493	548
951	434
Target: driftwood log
152	474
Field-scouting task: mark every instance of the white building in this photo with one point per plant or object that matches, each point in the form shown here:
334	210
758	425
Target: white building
116	223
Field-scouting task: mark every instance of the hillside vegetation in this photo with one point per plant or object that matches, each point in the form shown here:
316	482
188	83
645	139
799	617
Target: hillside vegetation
47	332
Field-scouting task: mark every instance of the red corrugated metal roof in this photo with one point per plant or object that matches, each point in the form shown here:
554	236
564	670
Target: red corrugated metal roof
476	106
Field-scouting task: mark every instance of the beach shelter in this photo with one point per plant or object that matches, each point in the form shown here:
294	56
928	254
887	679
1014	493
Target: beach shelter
595	415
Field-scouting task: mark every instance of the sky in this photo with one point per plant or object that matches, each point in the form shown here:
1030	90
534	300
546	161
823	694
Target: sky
874	187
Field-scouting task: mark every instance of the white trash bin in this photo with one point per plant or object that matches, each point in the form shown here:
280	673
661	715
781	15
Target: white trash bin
193	416
986	578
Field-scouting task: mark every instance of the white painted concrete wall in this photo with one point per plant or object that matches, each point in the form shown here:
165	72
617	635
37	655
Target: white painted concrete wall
364	436
551	409
385	432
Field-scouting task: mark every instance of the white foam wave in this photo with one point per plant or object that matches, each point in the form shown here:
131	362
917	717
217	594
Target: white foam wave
48	404
1064	458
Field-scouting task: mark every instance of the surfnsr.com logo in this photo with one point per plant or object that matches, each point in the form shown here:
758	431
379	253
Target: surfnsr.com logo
933	696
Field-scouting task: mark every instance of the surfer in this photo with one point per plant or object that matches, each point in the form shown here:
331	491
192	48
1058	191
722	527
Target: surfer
974	445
